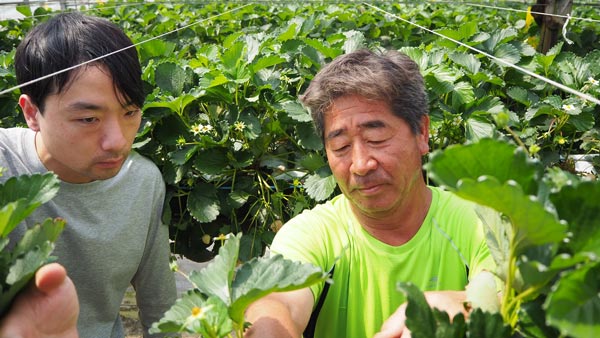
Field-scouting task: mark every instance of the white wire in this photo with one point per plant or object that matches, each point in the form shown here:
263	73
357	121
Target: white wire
525	11
521	69
117	51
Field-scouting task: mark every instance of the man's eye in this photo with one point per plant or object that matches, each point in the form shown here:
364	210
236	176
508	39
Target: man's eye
88	120
340	149
132	112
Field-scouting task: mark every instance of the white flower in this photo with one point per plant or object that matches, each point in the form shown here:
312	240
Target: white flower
239	126
568	107
592	81
201	129
482	293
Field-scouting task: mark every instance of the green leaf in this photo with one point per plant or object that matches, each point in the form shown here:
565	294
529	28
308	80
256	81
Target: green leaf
487	325
574	304
25	10
462	93
233	57
195	314
203	203
419	317
355	40
478	128
498	233
532	223
211	161
171	78
320	187
579	206
269	61
487	157
217	277
296	111
520	95
507	53
307	136
261	276
21	271
469	61
20	195
38	235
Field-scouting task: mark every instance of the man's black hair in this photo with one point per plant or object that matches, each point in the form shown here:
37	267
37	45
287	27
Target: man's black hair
68	39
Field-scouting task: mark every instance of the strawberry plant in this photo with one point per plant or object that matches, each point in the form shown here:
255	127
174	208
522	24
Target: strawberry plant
222	291
19	196
543	234
238	151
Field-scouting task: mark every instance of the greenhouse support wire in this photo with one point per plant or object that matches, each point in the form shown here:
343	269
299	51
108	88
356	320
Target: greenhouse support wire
521	11
568	17
508	64
117	51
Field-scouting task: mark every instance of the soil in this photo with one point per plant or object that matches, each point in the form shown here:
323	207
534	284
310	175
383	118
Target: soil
129	310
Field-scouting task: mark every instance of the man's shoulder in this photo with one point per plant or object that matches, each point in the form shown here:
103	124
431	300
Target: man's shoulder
140	162
14	134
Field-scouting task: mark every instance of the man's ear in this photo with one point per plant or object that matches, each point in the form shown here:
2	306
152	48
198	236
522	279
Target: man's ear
424	135
30	111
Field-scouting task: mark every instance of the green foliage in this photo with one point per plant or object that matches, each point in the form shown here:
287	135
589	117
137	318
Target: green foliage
223	291
238	151
19	196
543	237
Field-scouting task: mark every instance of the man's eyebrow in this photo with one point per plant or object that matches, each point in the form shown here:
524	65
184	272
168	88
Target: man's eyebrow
82	105
373	124
334	133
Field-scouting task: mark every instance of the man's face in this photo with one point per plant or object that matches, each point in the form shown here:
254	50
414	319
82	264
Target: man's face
373	154
85	133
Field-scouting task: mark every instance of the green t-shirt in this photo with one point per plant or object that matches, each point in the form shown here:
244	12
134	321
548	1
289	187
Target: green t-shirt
449	244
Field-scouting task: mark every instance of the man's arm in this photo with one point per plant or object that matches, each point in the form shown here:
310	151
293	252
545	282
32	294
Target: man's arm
280	314
450	301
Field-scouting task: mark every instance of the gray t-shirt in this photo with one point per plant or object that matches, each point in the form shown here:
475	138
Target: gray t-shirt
113	238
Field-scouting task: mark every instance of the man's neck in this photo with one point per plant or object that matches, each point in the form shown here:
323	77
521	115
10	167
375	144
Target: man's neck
398	227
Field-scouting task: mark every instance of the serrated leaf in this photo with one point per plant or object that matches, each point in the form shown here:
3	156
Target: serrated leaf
296	111
233	56
24	267
469	61
217	277
355	40
498	233
203	203
519	94
487	325
268	61
261	276
170	78
211	161
196	314
507	53
574	304
419	317
307	136
38	235
487	157
320	187
462	93
478	128
532	223
20	195
578	205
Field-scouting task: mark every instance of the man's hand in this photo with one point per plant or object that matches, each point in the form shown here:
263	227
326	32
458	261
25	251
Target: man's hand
280	314
451	302
47	309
